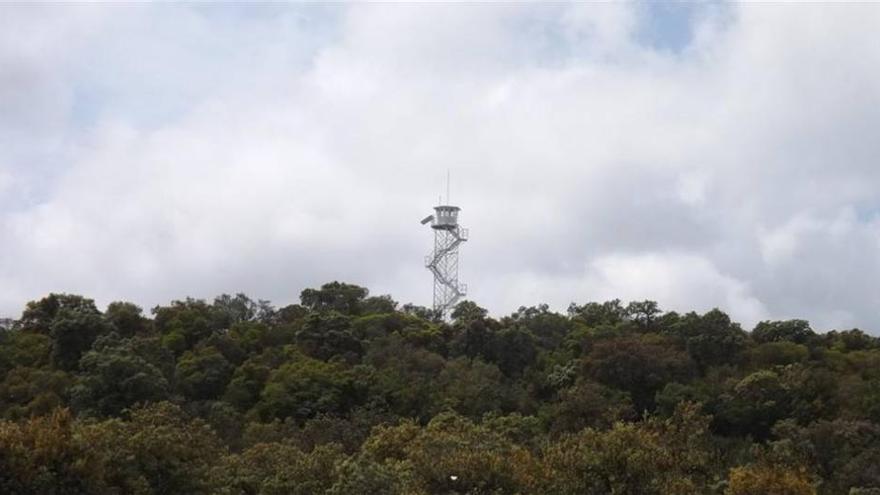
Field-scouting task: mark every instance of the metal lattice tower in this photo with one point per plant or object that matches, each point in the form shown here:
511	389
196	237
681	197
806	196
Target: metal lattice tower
443	262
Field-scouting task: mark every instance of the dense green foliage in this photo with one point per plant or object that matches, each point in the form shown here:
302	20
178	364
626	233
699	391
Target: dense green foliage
348	394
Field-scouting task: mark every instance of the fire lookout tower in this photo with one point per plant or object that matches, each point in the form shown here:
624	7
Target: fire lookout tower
443	261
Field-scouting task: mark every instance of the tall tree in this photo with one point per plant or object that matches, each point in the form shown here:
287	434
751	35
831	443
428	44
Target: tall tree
335	296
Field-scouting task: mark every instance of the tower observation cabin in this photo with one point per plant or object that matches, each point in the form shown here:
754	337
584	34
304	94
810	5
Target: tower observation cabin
445	217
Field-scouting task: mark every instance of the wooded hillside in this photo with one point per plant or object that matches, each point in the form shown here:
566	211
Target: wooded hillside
346	393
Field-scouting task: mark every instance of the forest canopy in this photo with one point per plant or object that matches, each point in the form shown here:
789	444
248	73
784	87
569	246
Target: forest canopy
348	393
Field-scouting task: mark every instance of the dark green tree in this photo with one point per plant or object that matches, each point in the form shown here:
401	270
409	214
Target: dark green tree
203	373
72	334
328	334
549	328
72	322
594	314
644	314
383	304
114	377
711	339
513	350
159	449
587	405
39	316
307	387
247	382
240	308
27	349
27	392
185	323
640	365
127	319
344	298
797	331
406	377
468	311
756	403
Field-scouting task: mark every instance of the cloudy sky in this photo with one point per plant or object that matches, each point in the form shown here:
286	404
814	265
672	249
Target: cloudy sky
697	155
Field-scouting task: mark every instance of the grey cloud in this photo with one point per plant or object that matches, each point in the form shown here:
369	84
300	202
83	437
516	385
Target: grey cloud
268	153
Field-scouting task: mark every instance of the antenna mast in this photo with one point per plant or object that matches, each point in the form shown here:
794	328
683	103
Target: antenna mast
448	197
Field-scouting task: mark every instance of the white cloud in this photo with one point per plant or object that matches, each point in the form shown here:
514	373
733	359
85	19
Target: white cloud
168	151
678	282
